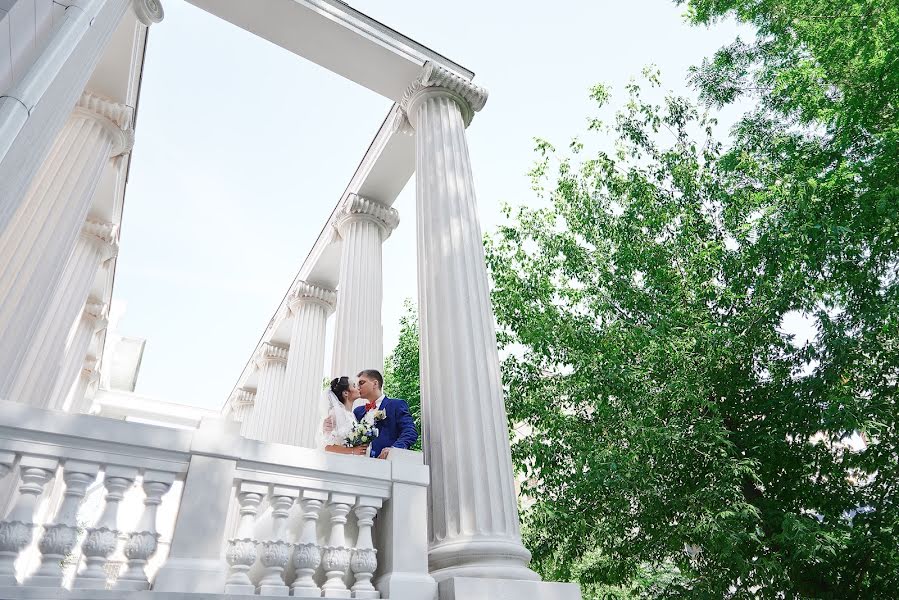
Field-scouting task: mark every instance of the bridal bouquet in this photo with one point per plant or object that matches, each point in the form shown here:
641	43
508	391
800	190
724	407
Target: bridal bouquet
361	434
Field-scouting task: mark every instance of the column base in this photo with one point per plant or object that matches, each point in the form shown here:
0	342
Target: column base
478	588
407	586
492	559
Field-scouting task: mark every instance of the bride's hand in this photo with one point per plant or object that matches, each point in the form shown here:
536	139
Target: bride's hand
360	450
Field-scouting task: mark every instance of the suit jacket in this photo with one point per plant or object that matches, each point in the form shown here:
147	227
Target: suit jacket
395	431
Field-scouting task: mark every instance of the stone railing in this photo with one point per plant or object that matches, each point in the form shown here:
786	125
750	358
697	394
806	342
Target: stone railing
246	517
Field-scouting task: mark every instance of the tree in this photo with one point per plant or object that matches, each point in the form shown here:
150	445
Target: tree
401	369
683	443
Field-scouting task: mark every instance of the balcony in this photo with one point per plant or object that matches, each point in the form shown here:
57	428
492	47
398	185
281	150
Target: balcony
100	508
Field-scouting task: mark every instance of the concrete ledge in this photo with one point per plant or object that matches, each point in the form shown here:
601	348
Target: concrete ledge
471	588
36	593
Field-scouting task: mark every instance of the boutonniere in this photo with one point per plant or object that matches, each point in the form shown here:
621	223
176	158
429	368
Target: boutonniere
374	415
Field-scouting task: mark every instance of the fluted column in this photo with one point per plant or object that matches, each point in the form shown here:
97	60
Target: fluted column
34	110
42	367
272	365
242	402
310	306
474	529
79	399
92	320
35	246
358	334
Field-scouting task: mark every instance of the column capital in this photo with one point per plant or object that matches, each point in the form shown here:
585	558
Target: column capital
241	398
270	353
435	79
104	234
95	310
114	117
357	208
305	292
90	371
148	12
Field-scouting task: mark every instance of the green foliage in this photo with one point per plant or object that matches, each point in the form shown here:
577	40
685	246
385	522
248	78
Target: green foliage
681	442
401	371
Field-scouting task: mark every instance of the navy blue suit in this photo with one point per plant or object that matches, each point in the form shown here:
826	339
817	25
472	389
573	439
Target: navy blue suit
395	431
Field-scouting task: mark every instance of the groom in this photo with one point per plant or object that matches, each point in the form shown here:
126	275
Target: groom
397	430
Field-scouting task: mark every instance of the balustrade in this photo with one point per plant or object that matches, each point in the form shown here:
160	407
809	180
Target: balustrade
305	519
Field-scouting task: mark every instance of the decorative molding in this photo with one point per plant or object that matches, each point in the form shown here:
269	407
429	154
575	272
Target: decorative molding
104	235
107	232
114	117
305	292
271	353
242	398
434	78
401	125
356	207
148	12
95	311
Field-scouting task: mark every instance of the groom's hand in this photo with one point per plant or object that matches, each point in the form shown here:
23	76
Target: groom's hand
384	453
328	425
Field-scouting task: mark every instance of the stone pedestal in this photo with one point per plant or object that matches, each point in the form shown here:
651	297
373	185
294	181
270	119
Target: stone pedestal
474	529
358	333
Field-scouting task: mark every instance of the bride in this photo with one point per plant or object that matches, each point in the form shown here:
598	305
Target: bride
340	397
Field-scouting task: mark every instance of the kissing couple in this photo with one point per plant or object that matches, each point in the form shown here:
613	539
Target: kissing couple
371	429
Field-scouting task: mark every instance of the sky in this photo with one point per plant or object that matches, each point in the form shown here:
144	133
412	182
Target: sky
243	149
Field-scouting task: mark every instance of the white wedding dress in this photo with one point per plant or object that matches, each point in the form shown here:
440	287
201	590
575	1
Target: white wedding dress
343	422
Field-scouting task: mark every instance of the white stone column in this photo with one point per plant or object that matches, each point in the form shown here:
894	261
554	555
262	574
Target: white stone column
41	369
263	421
242	402
93	320
358	334
35	246
310	306
81	394
34	110
474	528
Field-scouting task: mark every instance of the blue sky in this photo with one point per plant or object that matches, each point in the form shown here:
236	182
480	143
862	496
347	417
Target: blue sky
243	149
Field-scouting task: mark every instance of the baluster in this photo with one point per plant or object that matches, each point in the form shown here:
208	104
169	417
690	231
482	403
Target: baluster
241	552
308	554
142	544
102	539
276	551
17	528
59	539
336	557
365	560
